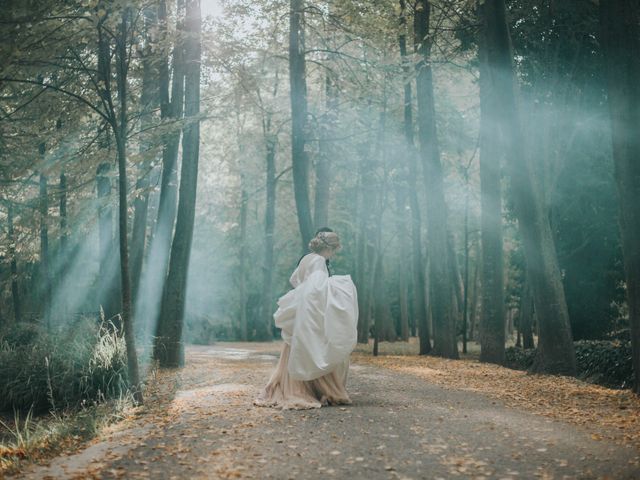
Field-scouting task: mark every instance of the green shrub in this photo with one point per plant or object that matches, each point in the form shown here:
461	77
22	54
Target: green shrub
86	364
519	358
603	362
20	334
607	363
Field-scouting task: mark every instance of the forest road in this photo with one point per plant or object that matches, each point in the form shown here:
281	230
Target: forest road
201	424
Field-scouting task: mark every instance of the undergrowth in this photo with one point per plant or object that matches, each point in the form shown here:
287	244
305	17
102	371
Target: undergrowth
603	362
79	366
25	438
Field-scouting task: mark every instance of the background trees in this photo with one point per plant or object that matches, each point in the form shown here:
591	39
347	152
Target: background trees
459	149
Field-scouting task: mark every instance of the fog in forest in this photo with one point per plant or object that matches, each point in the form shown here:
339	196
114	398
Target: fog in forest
469	175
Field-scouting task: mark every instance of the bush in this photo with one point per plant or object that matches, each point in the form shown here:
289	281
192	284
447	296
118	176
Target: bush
87	364
603	362
607	363
519	358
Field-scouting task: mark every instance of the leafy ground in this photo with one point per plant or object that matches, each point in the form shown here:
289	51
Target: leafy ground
412	418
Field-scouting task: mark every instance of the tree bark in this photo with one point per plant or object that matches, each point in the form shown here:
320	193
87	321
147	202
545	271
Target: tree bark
419	297
556	353
15	290
492	338
264	330
465	302
269	227
121	142
366	233
525	325
109	296
620	22
298	86
45	276
242	289
456	279
444	327
148	100
64	240
171	112
105	239
168	348
473	310
403	267
323	163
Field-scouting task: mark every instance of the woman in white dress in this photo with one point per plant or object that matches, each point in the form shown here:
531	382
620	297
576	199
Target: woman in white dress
318	319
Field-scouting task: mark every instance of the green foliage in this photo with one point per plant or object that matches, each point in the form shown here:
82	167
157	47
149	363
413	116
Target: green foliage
606	363
603	362
519	358
86	364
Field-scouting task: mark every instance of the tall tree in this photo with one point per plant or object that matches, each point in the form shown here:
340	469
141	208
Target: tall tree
168	347
555	347
417	267
323	162
492	332
441	293
120	127
264	331
45	276
298	93
148	101
171	111
620	21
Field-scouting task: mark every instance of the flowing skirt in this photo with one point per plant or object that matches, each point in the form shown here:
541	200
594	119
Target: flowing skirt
286	393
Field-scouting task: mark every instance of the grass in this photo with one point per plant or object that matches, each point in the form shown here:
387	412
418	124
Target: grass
78	366
27	438
58	389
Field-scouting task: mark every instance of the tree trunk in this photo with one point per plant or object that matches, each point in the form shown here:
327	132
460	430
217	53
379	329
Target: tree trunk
64	230
15	290
148	101
361	262
556	353
465	302
242	289
492	337
109	295
269	228
526	317
298	85
168	344
64	242
45	276
366	234
323	163
121	142
156	261
456	279
171	112
444	327
383	329
419	300
403	267
473	310
105	240
620	21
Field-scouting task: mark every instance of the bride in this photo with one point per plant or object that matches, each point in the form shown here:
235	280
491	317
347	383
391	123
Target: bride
318	319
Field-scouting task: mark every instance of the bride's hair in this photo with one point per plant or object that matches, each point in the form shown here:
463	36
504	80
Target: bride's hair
324	241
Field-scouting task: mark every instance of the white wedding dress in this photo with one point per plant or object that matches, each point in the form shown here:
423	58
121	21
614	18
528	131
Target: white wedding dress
318	319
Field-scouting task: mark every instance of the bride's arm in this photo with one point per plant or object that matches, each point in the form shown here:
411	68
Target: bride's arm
310	263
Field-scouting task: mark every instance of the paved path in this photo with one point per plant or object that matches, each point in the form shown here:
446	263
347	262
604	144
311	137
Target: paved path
203	425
